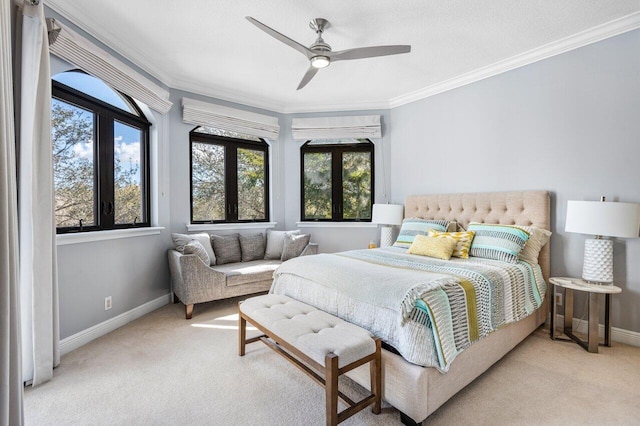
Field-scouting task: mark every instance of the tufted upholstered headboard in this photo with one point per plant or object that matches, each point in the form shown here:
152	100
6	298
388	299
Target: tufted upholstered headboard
530	208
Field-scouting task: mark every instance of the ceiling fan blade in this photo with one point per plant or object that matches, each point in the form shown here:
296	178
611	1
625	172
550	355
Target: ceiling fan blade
369	52
283	38
311	72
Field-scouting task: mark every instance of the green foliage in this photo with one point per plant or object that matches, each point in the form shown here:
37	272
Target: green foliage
251	184
71	133
207	177
317	185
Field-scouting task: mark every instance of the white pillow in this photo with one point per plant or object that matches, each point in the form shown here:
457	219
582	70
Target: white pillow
275	243
180	240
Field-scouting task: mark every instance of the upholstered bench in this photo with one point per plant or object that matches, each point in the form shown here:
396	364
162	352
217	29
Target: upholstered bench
316	342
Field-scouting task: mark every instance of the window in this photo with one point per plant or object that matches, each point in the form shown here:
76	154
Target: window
229	177
100	141
337	180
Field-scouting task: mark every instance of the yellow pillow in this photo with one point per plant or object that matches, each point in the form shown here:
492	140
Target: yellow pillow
463	241
440	248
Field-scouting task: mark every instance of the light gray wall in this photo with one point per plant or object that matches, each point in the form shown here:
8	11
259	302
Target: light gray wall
569	124
133	271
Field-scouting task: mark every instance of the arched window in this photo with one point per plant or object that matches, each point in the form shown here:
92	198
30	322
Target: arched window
229	177
337	180
100	141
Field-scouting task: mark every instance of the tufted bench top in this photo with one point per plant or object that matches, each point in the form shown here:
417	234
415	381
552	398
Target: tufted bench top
312	331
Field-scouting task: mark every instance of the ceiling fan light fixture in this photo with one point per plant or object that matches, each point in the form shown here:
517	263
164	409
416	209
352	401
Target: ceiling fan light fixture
320	61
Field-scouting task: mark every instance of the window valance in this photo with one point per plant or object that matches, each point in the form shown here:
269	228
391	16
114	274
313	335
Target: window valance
73	48
236	120
364	126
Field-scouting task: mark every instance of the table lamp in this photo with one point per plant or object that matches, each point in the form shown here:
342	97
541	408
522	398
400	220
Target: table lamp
387	215
602	219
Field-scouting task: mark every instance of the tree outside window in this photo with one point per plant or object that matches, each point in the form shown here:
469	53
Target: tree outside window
100	156
229	177
337	180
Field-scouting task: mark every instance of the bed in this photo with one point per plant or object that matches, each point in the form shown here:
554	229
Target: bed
348	285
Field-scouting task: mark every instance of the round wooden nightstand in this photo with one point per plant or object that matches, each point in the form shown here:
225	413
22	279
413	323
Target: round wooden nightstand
576	284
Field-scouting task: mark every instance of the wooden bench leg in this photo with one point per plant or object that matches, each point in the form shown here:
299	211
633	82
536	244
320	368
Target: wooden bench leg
242	334
188	311
331	388
376	378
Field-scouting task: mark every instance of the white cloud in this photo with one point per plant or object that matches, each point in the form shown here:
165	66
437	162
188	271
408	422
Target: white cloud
127	152
84	150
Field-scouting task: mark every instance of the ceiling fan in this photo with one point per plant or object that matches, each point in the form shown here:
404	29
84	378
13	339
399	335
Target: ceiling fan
320	54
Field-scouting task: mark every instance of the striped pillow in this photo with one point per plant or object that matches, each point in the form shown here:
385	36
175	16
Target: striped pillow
413	226
499	242
463	241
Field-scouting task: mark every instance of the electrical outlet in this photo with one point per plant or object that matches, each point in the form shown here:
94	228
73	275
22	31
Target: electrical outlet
559	299
107	303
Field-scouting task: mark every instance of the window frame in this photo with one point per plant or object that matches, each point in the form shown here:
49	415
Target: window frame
231	174
337	200
104	117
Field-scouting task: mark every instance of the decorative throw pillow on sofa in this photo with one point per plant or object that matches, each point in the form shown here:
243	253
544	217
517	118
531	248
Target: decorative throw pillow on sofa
294	245
180	240
196	247
252	247
275	243
227	248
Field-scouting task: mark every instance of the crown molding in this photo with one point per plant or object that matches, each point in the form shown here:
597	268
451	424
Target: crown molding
584	38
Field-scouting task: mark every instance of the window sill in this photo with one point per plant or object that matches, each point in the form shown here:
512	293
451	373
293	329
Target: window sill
336	225
230	226
88	237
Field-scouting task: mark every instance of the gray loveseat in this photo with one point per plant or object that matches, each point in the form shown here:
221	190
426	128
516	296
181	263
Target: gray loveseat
195	281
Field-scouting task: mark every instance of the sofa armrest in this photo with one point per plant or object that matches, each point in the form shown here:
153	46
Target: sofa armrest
193	280
311	248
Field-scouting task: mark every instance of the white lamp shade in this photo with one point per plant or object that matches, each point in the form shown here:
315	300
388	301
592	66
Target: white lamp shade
387	214
602	218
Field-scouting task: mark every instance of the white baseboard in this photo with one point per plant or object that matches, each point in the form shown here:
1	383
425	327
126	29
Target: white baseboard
85	336
621	335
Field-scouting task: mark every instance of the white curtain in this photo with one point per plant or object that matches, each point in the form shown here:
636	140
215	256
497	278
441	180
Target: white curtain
79	51
38	274
227	118
362	126
11	413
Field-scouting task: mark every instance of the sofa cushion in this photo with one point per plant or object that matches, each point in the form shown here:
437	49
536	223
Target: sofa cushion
294	245
180	240
196	247
227	248
275	243
248	272
252	247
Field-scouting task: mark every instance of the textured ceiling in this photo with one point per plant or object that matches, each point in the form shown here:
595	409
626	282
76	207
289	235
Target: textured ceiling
208	47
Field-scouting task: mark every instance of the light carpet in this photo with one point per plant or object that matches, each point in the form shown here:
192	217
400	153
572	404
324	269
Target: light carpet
164	370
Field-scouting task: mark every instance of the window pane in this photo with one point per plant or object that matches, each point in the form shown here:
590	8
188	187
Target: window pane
127	174
251	184
317	185
356	185
92	86
73	159
207	179
225	133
